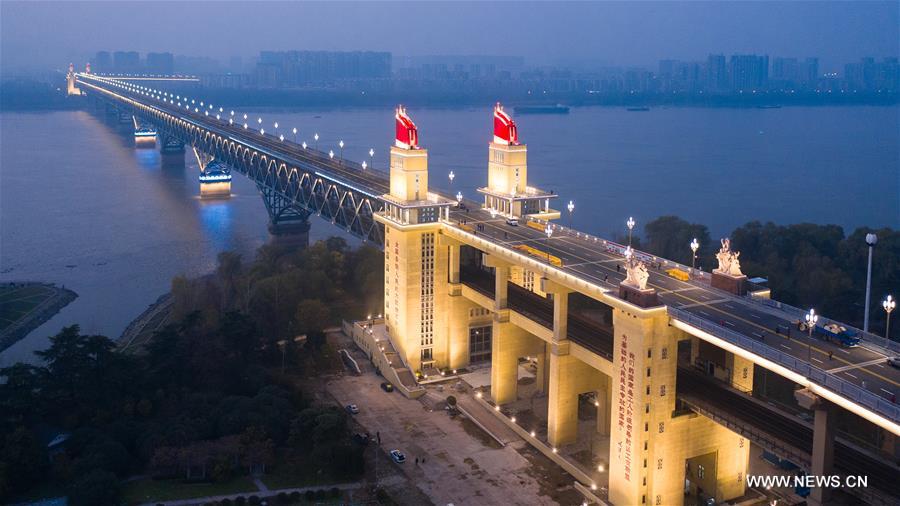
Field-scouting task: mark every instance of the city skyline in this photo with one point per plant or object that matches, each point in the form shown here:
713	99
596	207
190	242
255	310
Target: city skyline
626	34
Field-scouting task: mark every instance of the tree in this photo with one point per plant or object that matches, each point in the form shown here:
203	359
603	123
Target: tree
95	487
22	461
312	314
670	237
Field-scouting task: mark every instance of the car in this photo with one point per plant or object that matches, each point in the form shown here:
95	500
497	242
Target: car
894	362
397	456
387	387
352	409
513	222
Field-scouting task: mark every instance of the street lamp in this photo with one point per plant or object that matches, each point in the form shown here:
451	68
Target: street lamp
630	224
259	121
451	176
811	319
316	138
304	144
694	247
372	156
295	134
364	165
276	128
341	144
571	207
281	137
458	199
262	131
331	154
493	213
888	304
871	239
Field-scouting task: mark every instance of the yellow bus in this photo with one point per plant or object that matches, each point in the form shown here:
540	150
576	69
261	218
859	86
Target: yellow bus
678	274
543	255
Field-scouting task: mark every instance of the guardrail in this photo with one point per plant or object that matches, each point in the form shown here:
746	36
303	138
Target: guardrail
619	249
840	386
866	337
698	275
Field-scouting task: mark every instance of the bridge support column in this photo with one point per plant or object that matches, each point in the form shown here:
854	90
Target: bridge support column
569	377
543	369
508	343
604	404
286	221
458	318
741	372
823	442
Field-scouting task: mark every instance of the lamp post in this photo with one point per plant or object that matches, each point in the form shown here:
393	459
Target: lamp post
341	144
372	157
694	247
571	207
630	224
259	122
331	154
276	128
451	175
295	134
888	304
549	232
811	319
304	144
316	138
364	165
458	199
871	239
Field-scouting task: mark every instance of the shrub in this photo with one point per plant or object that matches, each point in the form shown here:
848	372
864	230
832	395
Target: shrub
320	494
253	500
335	492
310	496
295	496
240	500
283	497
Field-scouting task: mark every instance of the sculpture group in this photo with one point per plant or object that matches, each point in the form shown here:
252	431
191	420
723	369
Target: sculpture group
636	274
728	260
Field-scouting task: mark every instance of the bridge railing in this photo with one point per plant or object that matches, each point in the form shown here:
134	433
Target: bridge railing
619	249
867	338
821	377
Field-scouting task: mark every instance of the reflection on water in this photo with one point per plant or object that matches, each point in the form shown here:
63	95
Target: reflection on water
215	217
82	207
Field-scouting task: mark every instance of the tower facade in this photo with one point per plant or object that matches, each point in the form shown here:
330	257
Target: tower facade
507	191
415	258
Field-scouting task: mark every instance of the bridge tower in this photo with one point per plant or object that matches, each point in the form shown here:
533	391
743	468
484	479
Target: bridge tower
71	83
507	191
655	447
415	256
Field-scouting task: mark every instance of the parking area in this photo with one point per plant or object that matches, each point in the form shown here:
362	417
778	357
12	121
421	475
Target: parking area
451	459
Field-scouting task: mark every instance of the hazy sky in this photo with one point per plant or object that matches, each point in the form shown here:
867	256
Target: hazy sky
49	34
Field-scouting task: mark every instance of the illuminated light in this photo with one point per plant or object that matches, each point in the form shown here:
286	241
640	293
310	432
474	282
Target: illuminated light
454	371
330	154
281	137
600	468
593	486
245	126
478	394
497	408
555	450
513	419
596	404
262	131
364	165
304	144
533	434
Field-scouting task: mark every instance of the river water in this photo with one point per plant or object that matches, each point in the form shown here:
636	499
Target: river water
82	207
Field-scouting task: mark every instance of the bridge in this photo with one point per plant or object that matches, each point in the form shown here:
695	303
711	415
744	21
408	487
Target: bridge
498	281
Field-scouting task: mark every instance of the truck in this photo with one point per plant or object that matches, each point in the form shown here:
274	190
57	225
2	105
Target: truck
832	332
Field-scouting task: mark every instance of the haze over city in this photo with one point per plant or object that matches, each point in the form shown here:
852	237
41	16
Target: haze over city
40	34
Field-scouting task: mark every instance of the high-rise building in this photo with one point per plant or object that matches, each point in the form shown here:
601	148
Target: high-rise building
102	62
716	73
160	63
748	72
127	62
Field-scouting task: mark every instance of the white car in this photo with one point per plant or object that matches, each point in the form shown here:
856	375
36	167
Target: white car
513	222
397	456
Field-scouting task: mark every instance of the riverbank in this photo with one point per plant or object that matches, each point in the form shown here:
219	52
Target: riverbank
142	328
25	306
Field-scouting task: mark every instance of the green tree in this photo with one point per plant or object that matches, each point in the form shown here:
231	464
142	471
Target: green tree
312	315
670	237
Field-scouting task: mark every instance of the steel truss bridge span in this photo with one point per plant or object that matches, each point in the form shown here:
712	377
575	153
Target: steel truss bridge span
302	180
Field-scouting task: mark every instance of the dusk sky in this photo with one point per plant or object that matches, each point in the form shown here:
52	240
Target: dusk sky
38	35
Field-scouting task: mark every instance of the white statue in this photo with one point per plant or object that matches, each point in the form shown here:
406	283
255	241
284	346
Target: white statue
636	273
728	260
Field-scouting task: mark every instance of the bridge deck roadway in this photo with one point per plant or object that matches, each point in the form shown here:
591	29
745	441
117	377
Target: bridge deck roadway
589	261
